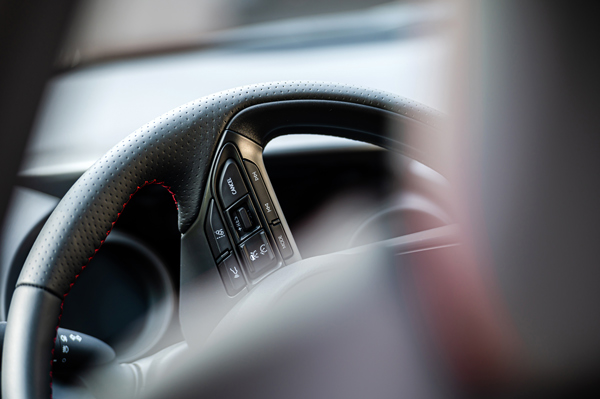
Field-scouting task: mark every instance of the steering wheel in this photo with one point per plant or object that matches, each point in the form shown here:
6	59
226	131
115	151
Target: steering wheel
208	154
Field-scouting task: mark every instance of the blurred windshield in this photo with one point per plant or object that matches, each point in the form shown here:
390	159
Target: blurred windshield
105	29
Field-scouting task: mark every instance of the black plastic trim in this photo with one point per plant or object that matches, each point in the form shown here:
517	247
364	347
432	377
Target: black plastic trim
390	130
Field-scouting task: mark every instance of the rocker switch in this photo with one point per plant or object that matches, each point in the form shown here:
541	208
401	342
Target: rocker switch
245	219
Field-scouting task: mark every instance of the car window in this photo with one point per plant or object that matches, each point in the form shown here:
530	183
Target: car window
116	28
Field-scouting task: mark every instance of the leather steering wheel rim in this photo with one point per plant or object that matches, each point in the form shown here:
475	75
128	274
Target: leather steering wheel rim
176	151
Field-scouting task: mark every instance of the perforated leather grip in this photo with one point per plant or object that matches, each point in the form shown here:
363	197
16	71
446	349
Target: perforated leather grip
175	150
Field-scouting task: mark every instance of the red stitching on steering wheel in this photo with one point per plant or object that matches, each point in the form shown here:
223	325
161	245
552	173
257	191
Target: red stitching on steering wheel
147	183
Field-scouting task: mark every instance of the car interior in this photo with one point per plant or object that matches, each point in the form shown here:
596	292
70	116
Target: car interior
273	198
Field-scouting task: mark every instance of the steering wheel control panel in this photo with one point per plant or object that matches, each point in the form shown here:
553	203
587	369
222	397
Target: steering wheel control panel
243	228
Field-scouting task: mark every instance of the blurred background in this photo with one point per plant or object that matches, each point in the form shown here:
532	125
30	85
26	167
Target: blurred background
108	29
511	311
116	65
124	63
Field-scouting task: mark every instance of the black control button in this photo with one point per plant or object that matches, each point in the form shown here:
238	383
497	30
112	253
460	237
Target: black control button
215	231
231	186
232	275
259	254
243	219
261	191
282	242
